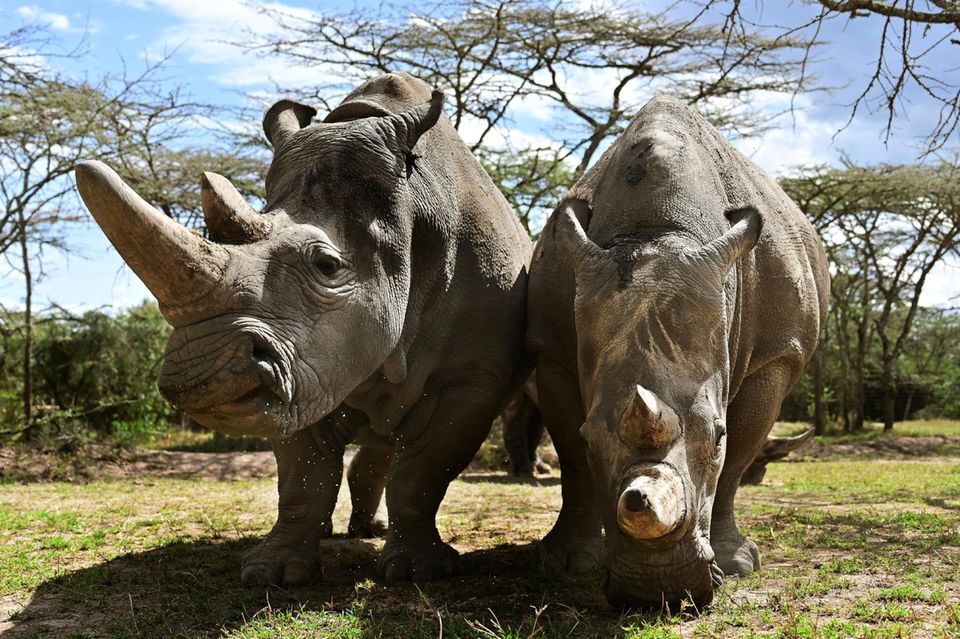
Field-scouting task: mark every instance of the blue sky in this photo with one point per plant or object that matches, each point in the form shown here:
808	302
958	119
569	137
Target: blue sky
194	31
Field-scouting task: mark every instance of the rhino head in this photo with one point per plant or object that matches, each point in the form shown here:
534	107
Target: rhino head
278	316
652	320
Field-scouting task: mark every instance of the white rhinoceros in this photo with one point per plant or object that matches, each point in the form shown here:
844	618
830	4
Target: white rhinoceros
384	284
676	295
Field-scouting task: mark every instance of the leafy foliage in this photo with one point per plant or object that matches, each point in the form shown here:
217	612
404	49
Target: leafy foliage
886	229
96	373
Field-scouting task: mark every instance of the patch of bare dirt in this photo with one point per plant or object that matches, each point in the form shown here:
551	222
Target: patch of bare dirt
892	447
90	462
97	461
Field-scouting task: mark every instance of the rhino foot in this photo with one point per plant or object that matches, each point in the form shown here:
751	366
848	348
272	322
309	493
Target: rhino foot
417	561
737	556
365	526
570	554
543	468
282	560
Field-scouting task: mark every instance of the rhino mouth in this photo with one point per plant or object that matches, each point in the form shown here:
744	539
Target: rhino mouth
229	375
257	400
682	575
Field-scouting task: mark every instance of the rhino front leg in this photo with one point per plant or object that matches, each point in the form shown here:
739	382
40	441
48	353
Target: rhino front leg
442	434
749	419
573	544
309	471
367	476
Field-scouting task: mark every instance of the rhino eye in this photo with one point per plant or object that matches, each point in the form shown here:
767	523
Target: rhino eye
411	162
328	265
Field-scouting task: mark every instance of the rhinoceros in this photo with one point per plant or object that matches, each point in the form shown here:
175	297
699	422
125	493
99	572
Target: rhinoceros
383	288
676	294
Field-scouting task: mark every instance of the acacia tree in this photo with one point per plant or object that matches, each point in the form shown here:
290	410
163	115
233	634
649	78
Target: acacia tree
887	228
581	72
914	60
49	122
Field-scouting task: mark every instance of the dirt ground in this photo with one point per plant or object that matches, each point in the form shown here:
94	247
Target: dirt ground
98	461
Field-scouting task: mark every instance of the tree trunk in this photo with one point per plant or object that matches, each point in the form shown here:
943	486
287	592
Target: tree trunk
906	409
819	417
860	418
28	425
889	395
843	341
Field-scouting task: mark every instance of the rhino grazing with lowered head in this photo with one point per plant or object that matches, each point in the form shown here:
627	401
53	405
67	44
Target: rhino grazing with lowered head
379	295
676	294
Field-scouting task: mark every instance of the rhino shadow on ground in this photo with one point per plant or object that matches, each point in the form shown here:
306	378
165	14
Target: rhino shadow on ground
193	590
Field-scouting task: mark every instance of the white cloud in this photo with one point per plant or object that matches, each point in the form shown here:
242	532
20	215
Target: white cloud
206	30
56	21
794	139
941	289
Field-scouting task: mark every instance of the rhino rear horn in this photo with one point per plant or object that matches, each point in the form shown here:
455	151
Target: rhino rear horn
229	219
285	118
648	421
409	125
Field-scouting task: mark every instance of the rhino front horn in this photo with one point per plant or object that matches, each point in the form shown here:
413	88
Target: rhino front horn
648	422
176	264
652	505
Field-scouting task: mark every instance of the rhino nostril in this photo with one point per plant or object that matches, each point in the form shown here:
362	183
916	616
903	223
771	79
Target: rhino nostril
260	354
635	500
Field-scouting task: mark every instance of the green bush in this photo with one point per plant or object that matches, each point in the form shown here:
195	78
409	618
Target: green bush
94	374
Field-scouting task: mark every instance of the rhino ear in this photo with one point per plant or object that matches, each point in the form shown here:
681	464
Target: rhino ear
409	125
285	118
722	253
569	234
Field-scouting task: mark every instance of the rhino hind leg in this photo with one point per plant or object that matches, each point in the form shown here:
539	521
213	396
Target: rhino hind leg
439	437
367	476
522	431
574	544
309	470
750	417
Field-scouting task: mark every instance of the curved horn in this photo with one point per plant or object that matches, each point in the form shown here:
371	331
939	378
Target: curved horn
648	422
228	217
723	252
285	118
568	231
175	263
779	447
652	505
412	123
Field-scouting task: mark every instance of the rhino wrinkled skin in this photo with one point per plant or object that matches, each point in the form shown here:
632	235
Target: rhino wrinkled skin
380	295
676	294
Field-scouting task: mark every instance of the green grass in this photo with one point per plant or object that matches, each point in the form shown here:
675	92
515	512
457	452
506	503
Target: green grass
874	430
852	548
